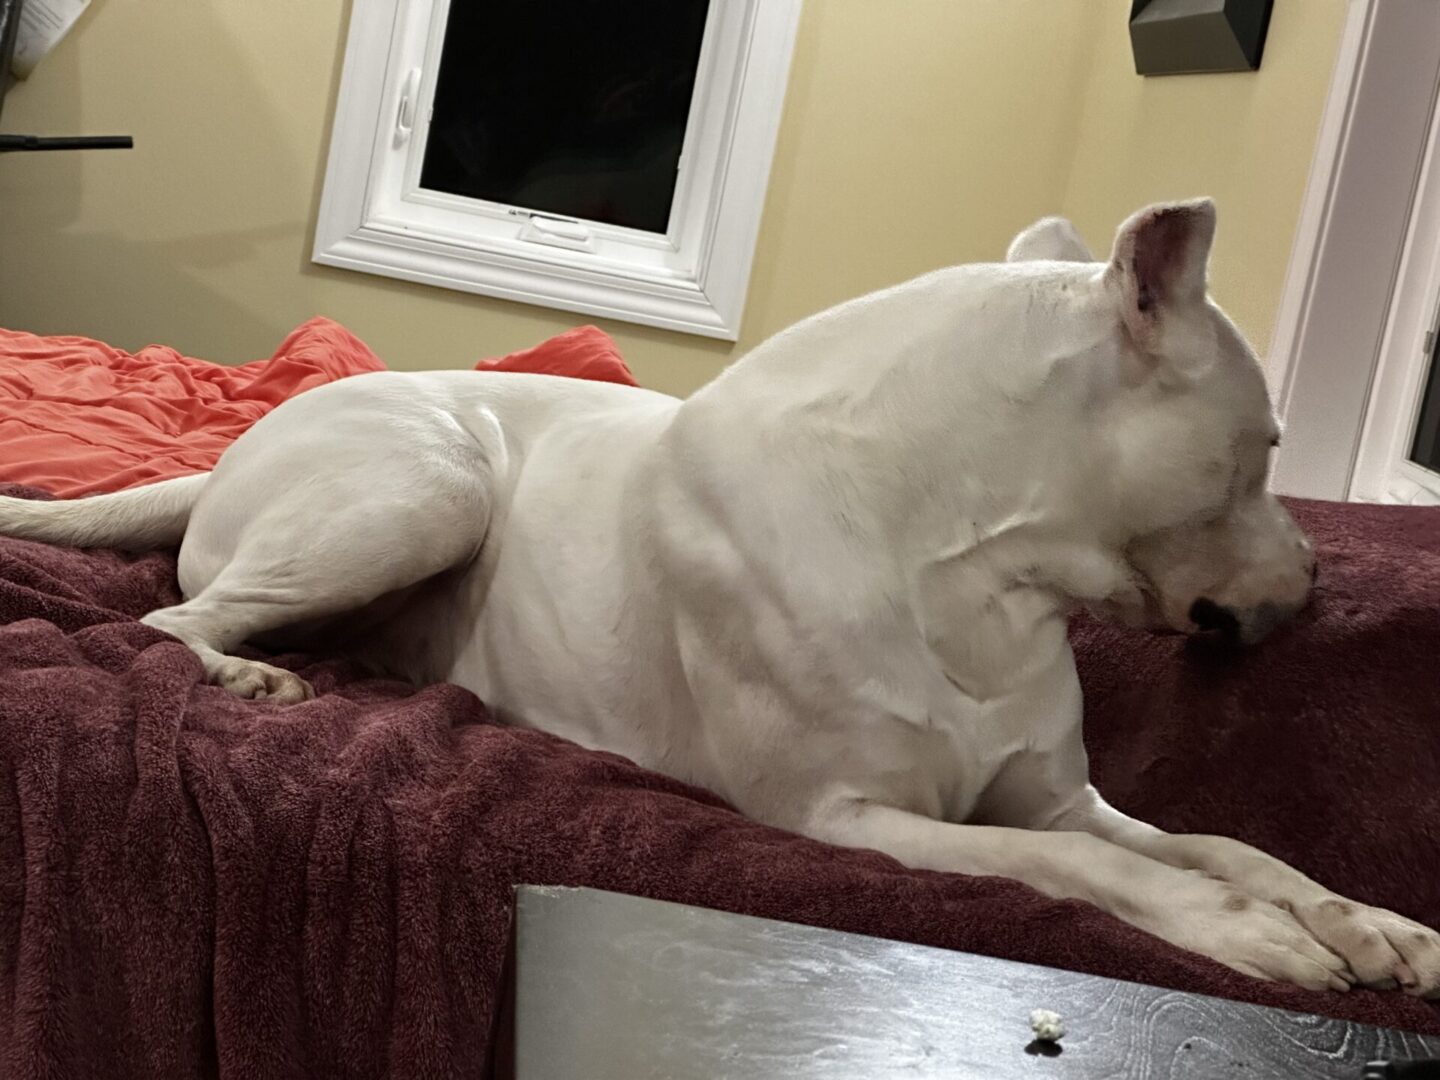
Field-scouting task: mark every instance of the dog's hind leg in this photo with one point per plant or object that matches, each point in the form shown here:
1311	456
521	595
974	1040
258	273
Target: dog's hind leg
270	584
218	620
314	548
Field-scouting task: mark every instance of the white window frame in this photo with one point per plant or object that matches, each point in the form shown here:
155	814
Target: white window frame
1339	322
374	216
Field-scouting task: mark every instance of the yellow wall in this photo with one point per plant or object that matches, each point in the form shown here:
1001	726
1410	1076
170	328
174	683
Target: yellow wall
916	133
1244	138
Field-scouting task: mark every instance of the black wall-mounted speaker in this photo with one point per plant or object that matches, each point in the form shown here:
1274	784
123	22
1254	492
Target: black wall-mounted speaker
1182	37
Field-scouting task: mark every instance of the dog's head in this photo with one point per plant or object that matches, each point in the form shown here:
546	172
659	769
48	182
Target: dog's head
1183	433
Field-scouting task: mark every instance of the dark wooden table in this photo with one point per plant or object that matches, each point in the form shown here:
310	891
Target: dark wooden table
611	987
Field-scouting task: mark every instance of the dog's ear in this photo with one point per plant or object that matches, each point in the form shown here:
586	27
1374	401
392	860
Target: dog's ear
1051	238
1160	261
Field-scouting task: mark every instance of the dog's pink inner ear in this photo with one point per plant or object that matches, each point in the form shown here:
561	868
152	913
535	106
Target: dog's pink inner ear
1159	256
1162	254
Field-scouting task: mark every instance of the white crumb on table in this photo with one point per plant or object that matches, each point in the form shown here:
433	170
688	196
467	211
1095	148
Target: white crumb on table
1046	1025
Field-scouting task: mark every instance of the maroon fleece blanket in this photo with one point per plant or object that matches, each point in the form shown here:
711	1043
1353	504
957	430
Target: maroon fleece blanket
192	884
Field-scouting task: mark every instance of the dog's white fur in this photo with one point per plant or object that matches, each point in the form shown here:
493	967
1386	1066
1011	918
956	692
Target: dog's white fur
832	586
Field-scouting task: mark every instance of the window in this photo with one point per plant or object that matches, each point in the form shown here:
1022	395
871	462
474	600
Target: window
608	157
1425	450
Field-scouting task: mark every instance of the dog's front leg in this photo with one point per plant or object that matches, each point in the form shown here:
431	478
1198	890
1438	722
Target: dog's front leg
1187	909
1383	949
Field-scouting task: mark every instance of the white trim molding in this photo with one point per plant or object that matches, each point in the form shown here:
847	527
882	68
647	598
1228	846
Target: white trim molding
1353	224
376	218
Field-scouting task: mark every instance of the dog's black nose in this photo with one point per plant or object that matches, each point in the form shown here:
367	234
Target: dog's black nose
1208	615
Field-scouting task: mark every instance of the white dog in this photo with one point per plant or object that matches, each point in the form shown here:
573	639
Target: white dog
832	586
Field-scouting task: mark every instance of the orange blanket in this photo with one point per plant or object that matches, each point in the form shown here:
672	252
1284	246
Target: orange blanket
78	416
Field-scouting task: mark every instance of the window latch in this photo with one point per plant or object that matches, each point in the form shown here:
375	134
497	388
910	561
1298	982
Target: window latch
557	232
405	110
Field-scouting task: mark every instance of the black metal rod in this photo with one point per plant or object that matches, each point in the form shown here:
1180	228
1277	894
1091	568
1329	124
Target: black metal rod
65	142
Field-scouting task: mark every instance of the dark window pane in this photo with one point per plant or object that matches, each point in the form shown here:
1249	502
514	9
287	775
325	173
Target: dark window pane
575	107
1426	450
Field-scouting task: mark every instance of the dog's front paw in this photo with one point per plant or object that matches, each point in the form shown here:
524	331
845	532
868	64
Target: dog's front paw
1383	949
1249	935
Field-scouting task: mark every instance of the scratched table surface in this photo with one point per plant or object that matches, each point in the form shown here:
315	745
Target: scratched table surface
612	987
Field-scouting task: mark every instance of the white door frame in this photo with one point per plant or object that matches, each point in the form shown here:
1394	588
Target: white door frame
1350	239
1383	470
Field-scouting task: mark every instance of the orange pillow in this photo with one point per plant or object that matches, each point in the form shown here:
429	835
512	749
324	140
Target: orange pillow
586	352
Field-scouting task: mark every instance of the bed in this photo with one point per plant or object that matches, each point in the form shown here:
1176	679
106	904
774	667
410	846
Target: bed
193	884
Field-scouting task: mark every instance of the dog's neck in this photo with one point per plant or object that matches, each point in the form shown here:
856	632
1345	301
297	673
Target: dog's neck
994	610
951	439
